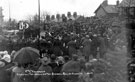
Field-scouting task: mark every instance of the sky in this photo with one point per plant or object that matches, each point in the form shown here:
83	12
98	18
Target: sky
21	9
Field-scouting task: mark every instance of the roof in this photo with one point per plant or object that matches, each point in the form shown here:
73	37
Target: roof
127	3
97	9
108	8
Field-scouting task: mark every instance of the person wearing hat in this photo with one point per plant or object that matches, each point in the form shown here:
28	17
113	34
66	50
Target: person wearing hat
87	47
60	62
1	54
66	58
53	63
45	69
102	47
16	76
7	58
13	54
95	44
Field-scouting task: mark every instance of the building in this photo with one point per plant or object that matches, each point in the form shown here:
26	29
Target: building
106	9
127	8
127	3
1	16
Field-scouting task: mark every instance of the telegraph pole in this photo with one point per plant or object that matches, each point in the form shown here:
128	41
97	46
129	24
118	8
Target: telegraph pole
9	12
39	11
39	29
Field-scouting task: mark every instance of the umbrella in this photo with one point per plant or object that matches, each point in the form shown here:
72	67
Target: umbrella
26	55
71	66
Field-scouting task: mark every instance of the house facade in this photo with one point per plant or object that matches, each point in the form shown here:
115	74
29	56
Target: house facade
127	8
100	12
106	9
122	8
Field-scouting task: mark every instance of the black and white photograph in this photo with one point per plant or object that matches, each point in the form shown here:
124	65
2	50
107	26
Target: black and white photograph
67	40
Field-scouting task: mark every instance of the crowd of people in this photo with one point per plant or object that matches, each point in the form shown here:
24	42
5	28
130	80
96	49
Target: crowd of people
65	48
48	69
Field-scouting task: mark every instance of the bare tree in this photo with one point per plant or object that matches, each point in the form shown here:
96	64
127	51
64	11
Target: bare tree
29	18
11	25
35	18
43	16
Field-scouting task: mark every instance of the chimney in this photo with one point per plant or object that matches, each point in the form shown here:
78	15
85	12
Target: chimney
117	2
105	3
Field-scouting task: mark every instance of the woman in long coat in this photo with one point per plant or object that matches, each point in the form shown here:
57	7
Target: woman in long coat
87	48
102	47
72	48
